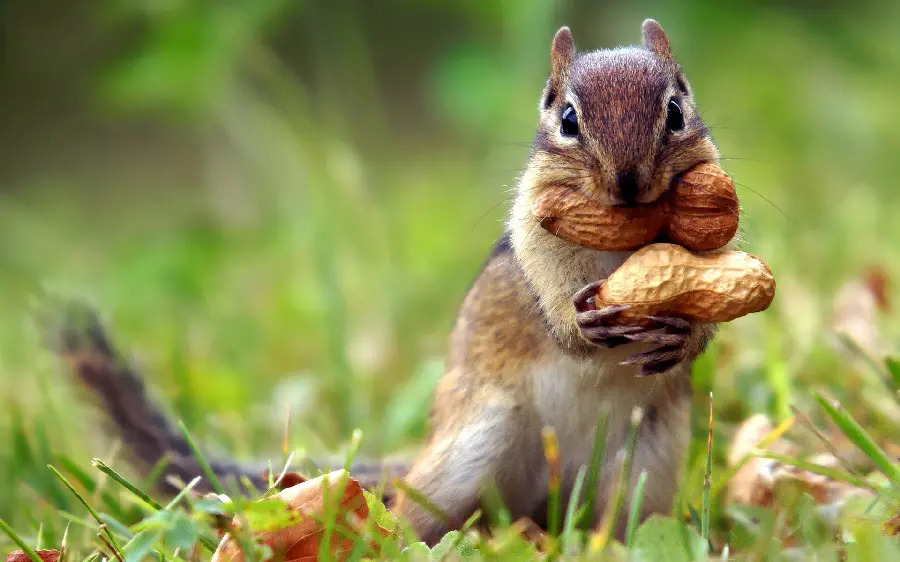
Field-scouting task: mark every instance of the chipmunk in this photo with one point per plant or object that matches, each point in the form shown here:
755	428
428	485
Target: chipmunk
529	348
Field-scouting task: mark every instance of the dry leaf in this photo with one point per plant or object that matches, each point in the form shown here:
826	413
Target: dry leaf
747	486
891	527
288	480
855	311
532	532
300	541
755	483
829	494
45	555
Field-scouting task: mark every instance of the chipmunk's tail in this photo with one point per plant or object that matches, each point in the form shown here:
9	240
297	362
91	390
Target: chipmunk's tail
79	338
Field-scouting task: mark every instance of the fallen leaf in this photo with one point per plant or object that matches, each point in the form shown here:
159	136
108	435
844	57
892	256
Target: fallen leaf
891	527
755	483
855	311
747	486
45	555
289	480
300	540
877	281
823	489
532	532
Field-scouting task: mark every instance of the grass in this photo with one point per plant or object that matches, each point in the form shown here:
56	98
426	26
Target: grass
309	278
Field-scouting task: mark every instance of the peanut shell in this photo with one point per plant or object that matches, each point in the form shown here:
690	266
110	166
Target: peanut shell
703	209
668	280
700	212
574	217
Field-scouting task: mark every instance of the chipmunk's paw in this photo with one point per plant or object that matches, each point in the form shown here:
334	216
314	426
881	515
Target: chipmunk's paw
596	324
671	335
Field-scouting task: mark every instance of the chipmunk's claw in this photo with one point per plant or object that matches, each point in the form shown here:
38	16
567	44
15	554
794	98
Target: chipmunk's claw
595	327
668	333
671	335
584	299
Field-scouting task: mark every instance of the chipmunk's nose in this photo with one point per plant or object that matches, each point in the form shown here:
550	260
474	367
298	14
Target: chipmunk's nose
627	182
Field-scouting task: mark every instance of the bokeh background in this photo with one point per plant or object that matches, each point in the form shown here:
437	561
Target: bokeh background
283	202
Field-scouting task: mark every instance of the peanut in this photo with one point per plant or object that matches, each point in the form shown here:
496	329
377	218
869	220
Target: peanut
700	212
668	280
702	209
576	218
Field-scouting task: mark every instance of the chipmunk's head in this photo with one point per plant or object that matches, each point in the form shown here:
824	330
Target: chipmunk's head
618	125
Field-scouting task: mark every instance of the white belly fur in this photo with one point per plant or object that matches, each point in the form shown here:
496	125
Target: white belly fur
569	395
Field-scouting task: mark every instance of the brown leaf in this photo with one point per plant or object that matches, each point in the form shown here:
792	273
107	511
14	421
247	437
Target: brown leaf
876	280
822	488
289	480
748	485
532	532
755	483
891	527
855	311
45	555
300	541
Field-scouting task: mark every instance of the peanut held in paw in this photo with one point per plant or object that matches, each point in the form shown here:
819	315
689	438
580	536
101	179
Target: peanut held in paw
701	212
667	280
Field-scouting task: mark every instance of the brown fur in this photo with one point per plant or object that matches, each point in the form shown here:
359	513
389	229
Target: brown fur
518	361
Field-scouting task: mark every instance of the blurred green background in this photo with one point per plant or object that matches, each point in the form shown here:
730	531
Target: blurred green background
282	202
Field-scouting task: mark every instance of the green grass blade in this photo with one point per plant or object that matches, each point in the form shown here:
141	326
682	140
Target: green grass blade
18	540
83	478
84	502
116	525
275	482
554	485
64	545
201	460
330	515
892	366
156	471
831	473
704	514
593	476
27	461
860	438
773	436
611	517
634	509
778	375
105	469
103	533
882	371
422	501
138	541
355	440
570	521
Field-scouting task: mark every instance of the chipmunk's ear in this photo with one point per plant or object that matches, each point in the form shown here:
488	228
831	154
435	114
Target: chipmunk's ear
562	53
655	39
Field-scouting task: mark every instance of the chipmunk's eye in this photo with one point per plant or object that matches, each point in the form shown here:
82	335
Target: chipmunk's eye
569	122
674	117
